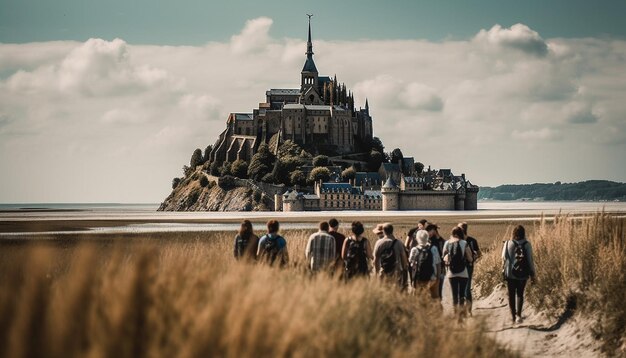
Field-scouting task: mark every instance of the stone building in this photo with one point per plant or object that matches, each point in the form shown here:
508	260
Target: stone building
320	116
333	197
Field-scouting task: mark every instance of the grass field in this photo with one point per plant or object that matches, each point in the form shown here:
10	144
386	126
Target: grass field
183	294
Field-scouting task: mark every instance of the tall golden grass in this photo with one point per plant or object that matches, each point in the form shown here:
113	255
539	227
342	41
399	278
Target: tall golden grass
189	298
581	264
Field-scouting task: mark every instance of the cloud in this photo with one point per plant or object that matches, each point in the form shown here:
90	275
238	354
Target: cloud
543	134
112	114
579	113
253	37
519	37
95	68
389	91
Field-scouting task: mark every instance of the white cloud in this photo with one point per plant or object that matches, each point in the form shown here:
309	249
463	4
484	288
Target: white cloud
253	37
111	121
518	37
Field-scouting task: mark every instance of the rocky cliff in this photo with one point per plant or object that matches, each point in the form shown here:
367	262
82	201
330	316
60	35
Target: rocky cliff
197	194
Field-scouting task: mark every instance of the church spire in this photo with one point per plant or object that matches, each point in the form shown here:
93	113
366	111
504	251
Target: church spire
309	44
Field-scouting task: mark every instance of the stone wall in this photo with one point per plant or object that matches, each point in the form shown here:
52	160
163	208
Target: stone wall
427	200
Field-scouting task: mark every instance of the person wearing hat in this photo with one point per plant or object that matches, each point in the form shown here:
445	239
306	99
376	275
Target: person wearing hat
425	251
378	231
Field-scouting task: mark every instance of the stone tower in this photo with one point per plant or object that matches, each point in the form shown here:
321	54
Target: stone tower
390	193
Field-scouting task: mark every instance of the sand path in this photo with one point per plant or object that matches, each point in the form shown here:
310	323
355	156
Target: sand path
538	335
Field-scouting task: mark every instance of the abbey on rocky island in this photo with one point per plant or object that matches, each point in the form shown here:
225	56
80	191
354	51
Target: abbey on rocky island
320	116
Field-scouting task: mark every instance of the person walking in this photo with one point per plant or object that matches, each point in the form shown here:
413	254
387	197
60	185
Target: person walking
339	240
437	241
273	247
390	261
425	264
410	241
476	254
246	242
519	266
457	255
320	249
356	252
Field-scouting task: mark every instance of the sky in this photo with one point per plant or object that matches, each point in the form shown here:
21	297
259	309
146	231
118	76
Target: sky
106	101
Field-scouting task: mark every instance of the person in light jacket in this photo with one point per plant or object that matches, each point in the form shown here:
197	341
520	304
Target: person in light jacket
519	266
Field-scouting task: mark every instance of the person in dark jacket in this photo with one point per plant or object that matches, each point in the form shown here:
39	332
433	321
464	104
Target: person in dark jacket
519	266
246	242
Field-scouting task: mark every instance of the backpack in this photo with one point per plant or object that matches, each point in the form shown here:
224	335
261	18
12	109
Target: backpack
520	261
457	258
270	248
388	258
356	260
240	246
423	268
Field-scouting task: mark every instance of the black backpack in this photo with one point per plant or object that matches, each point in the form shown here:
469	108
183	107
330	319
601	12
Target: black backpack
423	267
240	245
457	257
271	249
388	258
520	261
356	259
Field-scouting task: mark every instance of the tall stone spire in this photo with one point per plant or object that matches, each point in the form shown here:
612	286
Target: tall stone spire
309	44
309	64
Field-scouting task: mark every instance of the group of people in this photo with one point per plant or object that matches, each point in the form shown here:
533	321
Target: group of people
423	261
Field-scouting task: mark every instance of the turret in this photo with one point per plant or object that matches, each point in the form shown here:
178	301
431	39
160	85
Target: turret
390	193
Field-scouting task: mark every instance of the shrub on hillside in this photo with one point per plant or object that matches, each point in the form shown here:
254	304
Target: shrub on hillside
240	169
196	158
321	161
319	173
175	182
225	169
348	174
204	181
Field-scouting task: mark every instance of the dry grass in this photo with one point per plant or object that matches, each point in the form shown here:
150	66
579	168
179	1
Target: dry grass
581	264
189	298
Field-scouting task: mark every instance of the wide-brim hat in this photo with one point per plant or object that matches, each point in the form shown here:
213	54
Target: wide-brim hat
378	229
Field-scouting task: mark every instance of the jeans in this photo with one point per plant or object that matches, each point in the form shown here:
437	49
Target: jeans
468	288
516	296
458	285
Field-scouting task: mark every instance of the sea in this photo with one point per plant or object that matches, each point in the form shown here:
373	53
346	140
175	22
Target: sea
144	217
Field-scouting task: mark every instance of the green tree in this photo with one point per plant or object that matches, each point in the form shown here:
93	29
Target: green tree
419	167
377	145
298	178
375	160
261	163
397	156
214	169
239	169
321	161
319	173
348	173
225	169
196	158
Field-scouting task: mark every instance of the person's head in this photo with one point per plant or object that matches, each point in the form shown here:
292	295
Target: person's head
378	230
388	229
421	225
463	226
334	224
422	237
246	229
458	233
323	226
272	226
432	230
357	228
519	233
